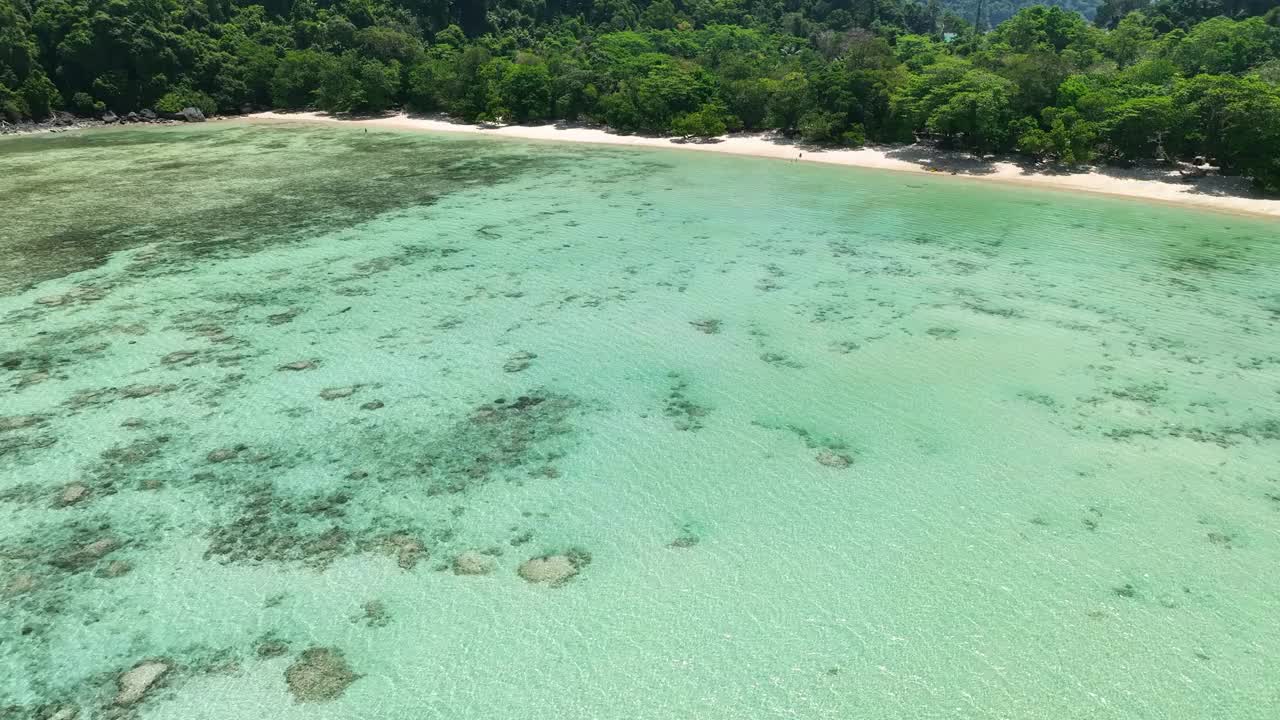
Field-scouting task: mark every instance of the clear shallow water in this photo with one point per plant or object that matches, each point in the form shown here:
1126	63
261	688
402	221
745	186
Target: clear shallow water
1060	417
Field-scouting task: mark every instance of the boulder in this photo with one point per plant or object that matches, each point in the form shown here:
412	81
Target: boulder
133	117
135	683
148	114
191	114
109	117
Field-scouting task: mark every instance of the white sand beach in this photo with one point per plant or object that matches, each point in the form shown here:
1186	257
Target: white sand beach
1157	184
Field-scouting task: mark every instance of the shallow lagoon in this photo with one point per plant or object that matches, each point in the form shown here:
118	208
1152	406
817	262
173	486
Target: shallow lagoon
818	442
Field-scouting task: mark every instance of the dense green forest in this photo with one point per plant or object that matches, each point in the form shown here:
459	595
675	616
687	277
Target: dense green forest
1167	79
986	14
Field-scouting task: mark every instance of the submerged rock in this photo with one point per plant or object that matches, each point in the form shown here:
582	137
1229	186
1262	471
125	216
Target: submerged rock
710	327
320	674
34	378
18	422
284	317
338	393
408	550
178	356
221	455
62	712
20	583
141	391
131	329
272	648
115	569
834	459
373	405
685	540
298	365
518	362
88	554
375	614
553	570
135	683
72	494
472	562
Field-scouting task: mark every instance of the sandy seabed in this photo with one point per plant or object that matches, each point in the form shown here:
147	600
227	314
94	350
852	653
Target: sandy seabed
1229	194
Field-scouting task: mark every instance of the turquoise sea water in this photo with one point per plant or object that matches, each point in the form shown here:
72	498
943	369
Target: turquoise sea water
819	442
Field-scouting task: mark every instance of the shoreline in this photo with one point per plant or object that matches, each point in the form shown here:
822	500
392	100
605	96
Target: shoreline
1152	184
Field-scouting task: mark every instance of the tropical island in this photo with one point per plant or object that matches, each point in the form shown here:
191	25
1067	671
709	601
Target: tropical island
1196	81
375	398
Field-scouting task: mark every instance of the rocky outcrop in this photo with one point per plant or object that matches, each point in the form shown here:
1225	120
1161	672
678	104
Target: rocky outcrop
191	114
135	683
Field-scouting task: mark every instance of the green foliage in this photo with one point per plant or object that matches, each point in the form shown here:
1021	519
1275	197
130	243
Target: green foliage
40	95
296	79
352	83
1237	121
709	121
831	128
1141	127
1068	137
788	100
977	108
12	107
1220	45
183	97
964	104
82	103
525	91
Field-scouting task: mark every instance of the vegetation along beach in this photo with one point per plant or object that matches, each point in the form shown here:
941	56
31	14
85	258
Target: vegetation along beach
639	359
